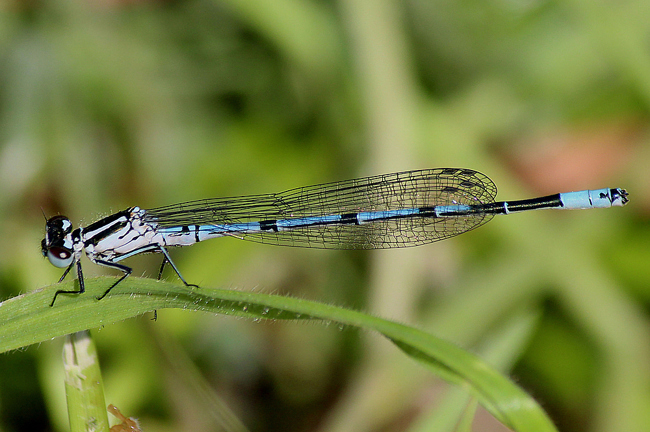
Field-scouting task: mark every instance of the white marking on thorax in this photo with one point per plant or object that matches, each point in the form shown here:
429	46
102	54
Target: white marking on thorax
134	235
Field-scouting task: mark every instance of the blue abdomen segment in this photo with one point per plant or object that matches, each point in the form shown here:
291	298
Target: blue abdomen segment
598	198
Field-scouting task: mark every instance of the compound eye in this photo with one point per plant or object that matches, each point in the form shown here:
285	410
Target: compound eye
59	256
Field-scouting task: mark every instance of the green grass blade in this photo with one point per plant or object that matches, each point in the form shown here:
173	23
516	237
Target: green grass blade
28	319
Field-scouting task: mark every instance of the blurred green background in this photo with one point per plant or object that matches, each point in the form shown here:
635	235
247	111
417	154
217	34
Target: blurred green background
106	104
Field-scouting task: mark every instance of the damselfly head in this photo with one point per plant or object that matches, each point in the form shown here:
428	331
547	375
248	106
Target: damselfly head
57	244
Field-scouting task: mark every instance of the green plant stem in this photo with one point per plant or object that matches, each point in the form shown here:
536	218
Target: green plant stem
84	388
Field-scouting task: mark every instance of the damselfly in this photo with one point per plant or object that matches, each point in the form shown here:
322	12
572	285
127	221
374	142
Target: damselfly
386	211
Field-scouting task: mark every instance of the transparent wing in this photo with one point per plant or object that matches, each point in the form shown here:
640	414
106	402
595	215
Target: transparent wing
405	190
